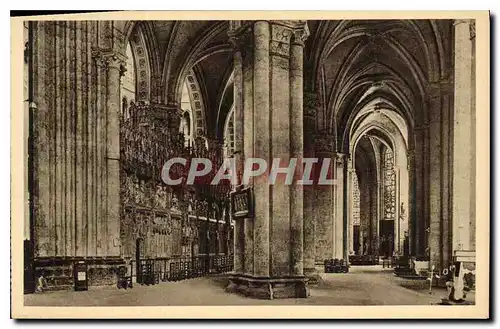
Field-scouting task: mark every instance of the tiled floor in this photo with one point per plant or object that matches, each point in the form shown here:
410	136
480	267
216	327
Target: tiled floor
363	285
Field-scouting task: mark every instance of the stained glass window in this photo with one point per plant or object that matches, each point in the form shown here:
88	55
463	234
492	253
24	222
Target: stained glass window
186	121
389	185
128	80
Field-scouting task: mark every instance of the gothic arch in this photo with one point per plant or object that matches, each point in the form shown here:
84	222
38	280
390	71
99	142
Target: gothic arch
197	104
374	104
225	104
174	75
143	44
349	57
330	35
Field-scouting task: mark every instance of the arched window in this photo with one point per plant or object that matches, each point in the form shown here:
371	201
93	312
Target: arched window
186	121
389	185
355	200
186	128
229	135
128	82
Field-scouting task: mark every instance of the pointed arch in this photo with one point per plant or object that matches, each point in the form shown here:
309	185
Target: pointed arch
197	104
142	44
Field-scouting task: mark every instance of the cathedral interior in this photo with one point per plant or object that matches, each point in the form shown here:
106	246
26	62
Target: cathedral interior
391	102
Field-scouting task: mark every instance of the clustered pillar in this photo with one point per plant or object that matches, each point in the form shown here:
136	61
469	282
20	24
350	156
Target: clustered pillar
269	261
463	137
324	214
310	105
76	85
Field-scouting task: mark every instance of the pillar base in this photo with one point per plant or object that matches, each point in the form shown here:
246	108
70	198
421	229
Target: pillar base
268	288
312	275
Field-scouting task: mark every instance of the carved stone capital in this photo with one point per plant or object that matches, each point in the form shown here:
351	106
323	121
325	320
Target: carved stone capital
115	61
98	58
281	36
300	34
341	158
109	59
472	29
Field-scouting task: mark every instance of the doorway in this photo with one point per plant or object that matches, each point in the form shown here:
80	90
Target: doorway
386	238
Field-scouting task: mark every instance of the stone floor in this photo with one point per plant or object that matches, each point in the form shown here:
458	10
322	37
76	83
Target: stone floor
363	285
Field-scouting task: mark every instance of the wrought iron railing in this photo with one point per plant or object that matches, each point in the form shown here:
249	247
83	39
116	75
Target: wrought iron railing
156	270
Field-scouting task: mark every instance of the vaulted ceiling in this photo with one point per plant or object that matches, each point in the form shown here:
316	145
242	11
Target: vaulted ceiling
351	63
347	63
199	46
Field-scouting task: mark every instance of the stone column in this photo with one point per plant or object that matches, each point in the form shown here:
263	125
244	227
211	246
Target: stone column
115	69
412	204
310	105
273	113
262	129
374	219
76	141
463	135
472	231
243	40
349	171
420	235
324	200
297	148
343	233
238	151
439	148
435	164
397	223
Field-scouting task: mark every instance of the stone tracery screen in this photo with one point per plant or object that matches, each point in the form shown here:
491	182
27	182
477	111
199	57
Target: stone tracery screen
355	200
389	185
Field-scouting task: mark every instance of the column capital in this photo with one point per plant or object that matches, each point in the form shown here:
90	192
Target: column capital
341	158
281	36
472	29
115	62
109	59
98	58
471	23
300	34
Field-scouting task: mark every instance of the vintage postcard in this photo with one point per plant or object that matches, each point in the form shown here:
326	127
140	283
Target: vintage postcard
300	164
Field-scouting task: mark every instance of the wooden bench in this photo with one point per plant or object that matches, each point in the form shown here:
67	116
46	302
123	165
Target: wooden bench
335	266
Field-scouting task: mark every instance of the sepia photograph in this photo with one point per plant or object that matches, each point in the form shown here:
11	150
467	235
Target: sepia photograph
318	161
